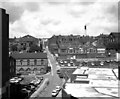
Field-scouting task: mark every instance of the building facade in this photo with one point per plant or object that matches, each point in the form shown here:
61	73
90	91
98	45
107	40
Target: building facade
52	45
29	63
4	54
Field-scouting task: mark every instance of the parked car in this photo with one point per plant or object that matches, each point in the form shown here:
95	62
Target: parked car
92	64
30	87
58	88
101	63
36	82
65	61
26	91
54	93
16	79
58	71
41	78
61	75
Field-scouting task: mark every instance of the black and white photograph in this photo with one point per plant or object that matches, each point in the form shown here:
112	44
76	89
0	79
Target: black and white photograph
59	49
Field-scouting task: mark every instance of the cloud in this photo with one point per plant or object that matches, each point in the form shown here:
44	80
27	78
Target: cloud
32	6
16	9
15	12
49	17
46	21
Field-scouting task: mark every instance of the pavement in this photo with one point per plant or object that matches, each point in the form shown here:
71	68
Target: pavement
40	89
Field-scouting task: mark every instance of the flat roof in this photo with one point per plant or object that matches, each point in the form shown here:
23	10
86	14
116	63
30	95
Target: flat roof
103	83
81	70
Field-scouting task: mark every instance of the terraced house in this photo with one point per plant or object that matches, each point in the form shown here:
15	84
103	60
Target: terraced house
27	63
75	47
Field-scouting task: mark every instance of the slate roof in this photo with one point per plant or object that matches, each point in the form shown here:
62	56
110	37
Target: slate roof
28	38
115	34
11	39
29	55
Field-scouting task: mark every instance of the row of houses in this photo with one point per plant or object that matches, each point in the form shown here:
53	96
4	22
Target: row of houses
24	43
82	47
79	50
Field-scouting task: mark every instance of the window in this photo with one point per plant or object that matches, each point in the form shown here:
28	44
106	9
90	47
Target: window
42	61
70	50
91	50
80	50
70	39
32	62
18	62
76	50
38	62
88	50
45	61
101	50
63	50
24	62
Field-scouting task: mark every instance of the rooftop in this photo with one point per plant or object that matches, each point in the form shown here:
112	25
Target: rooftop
29	55
28	38
102	83
115	34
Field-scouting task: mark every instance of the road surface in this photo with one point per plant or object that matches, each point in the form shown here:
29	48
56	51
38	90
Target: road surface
53	77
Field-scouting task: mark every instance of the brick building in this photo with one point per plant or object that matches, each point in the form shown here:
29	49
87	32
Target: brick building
27	63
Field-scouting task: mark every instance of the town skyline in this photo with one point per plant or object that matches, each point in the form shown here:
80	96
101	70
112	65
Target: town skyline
46	18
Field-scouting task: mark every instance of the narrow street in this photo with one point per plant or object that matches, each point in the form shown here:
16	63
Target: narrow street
53	77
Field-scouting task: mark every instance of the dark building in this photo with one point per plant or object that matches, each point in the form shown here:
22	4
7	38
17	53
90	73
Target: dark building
4	54
52	45
12	65
28	40
113	41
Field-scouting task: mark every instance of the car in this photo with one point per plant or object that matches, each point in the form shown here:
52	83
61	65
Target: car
56	63
54	93
24	90
62	65
61	75
16	79
58	88
61	61
102	63
58	71
65	61
92	64
30	87
35	82
41	78
13	81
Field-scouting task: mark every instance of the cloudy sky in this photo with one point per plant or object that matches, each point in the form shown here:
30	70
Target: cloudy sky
44	18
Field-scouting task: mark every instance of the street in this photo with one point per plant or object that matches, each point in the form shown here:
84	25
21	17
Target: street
53	77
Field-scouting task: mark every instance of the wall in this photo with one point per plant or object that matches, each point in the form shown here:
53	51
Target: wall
4	52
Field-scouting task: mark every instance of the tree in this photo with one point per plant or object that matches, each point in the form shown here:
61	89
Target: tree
14	47
34	48
41	47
